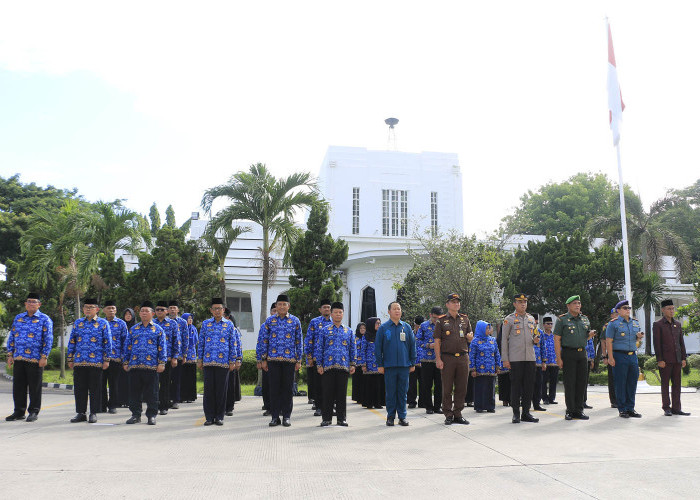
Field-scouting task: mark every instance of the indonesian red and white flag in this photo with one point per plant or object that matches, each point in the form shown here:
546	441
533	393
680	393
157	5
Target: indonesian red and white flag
615	104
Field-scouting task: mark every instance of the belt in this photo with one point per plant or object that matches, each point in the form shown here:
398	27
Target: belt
579	349
455	354
629	353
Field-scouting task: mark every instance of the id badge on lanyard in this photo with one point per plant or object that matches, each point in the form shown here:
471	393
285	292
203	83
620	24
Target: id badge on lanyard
402	337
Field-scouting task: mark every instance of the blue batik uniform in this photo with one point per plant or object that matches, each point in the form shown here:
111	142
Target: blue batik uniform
335	348
217	343
30	337
538	352
90	342
281	339
548	353
237	342
590	350
484	357
184	337
626	370
173	341
119	332
145	347
190	355
316	326
424	336
368	359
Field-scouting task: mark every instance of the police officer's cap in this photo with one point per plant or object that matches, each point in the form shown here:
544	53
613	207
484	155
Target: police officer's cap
162	303
547	319
436	310
147	303
621	304
282	298
453	296
90	302
337	305
173	303
666	303
33	296
110	303
324	302
572	298
215	300
519	296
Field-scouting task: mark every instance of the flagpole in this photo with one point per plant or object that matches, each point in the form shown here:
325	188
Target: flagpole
623	221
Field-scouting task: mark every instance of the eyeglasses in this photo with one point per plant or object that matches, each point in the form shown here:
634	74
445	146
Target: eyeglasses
161	309
217	308
32	302
625	307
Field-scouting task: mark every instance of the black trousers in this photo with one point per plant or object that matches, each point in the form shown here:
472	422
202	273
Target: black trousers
233	381
188	385
537	388
504	387
375	392
575	374
265	384
27	376
111	377
430	385
87	380
164	388
143	384
123	392
549	383
335	388
358	386
215	384
484	392
281	388
310	383
522	381
611	386
318	388
176	382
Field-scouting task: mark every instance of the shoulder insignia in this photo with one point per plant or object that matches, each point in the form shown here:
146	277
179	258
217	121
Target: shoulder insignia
442	316
562	315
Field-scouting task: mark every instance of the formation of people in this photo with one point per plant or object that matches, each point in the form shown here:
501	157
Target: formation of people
153	359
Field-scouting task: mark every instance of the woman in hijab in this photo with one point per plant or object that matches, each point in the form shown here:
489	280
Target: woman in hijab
373	380
357	380
129	317
188	385
484	363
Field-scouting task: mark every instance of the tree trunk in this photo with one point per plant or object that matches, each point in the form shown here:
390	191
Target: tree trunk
222	286
62	344
265	275
647	329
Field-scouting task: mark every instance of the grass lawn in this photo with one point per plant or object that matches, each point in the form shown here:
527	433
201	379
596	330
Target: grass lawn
690	380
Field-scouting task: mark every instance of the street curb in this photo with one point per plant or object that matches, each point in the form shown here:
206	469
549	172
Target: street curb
68	387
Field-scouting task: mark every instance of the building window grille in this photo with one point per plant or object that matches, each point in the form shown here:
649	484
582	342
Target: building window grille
394	212
356	210
434	213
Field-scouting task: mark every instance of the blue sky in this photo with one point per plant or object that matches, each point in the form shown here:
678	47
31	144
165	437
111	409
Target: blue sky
154	101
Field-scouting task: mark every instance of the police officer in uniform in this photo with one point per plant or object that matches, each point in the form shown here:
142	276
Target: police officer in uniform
453	333
622	335
520	339
571	333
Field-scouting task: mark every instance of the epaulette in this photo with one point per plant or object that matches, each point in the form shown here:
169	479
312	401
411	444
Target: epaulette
562	315
442	316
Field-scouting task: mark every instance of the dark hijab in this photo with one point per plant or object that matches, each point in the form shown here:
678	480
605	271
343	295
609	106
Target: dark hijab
357	329
132	321
371	332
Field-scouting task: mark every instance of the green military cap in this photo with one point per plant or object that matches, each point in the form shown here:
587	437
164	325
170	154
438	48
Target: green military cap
572	298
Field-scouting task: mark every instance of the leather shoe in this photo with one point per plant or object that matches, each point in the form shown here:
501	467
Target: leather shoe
80	417
580	416
151	420
480	411
679	412
668	413
449	420
229	414
527	417
613	405
568	416
491	411
32	417
112	411
624	414
318	413
163	412
378	407
92	418
539	408
411	405
461	420
175	406
207	423
266	413
429	411
554	402
325	423
274	422
390	422
218	422
286	422
587	406
14	416
403	422
634	414
516	419
437	410
343	423
133	420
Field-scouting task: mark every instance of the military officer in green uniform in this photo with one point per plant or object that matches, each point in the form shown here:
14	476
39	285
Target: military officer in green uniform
571	333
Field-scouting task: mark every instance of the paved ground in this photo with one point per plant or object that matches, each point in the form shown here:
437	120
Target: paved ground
605	457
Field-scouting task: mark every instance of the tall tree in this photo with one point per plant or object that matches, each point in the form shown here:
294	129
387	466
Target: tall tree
170	217
257	196
315	258
682	216
219	242
154	216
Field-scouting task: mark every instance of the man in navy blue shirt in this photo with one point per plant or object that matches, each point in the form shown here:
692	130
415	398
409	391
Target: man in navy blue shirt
395	353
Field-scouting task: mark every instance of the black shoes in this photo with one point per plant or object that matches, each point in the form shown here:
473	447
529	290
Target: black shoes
470	405
92	418
480	411
587	406
14	416
151	420
133	420
343	423
267	413
634	414
32	417
163	412
286	422
679	412
218	422
275	422
613	405
449	420
207	423
527	417
403	422
325	423
229	414
668	413
438	411
491	411
112	411
429	411
175	406
460	420
624	414
318	413
389	422
554	402
412	405
568	416
539	408
580	416
80	417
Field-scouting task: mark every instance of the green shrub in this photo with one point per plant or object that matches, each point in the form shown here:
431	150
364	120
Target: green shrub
54	361
686	369
642	360
598	378
694	361
249	371
651	364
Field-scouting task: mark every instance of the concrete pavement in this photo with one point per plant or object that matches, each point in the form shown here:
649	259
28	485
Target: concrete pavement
605	457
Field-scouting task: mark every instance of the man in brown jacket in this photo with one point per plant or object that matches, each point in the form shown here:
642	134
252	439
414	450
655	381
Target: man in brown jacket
670	356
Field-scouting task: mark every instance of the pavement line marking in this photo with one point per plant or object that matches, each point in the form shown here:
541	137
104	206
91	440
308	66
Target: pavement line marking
376	412
200	422
57	404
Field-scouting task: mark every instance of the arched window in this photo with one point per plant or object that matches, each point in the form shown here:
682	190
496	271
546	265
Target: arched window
369	304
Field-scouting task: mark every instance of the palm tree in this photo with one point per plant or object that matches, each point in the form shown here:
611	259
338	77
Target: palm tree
257	196
649	240
651	292
220	243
